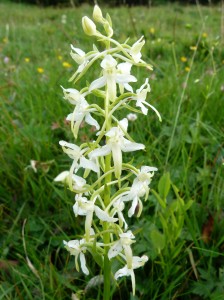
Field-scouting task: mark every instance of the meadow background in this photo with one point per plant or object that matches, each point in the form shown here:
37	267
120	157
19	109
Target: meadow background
185	238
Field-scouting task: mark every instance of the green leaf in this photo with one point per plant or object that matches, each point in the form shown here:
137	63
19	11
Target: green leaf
97	257
188	204
158	239
160	200
164	185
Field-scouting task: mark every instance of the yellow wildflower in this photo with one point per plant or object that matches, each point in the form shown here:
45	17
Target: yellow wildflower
59	57
27	59
204	35
40	70
183	58
65	64
193	48
152	30
187	69
5	40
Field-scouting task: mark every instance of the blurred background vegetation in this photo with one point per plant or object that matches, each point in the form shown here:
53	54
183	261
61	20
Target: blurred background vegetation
115	2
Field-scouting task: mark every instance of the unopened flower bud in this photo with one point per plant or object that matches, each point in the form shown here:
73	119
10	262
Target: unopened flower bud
97	14
88	26
108	29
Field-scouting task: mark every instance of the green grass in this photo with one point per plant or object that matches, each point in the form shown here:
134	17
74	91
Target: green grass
189	144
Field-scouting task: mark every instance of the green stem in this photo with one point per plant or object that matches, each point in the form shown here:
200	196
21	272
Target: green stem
106	235
107	267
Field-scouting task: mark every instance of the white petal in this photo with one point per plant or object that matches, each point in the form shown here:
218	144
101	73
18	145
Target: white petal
78	211
77	58
112	132
62	176
136	49
105	150
78	182
133	282
72	244
127	235
69	117
147	169
69	145
122	220
104	216
122	272
91	121
83	264
72	247
128	87
143	86
115	250
143	108
78	51
124	67
108	62
138	262
124	124
131	146
131	211
88	164
124	78
82	66
97	84
155	110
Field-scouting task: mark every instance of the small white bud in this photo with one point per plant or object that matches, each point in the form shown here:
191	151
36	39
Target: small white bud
97	14
88	26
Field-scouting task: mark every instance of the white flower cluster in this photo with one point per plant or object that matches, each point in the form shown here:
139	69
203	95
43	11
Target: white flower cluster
115	184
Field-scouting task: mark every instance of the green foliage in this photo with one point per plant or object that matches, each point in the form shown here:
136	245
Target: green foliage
189	152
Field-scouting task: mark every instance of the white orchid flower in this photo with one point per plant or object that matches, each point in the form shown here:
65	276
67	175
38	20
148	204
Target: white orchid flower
84	207
140	98
77	154
111	76
82	111
118	208
76	248
143	179
81	58
136	48
126	239
78	183
75	181
137	262
139	188
116	144
78	56
73	96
